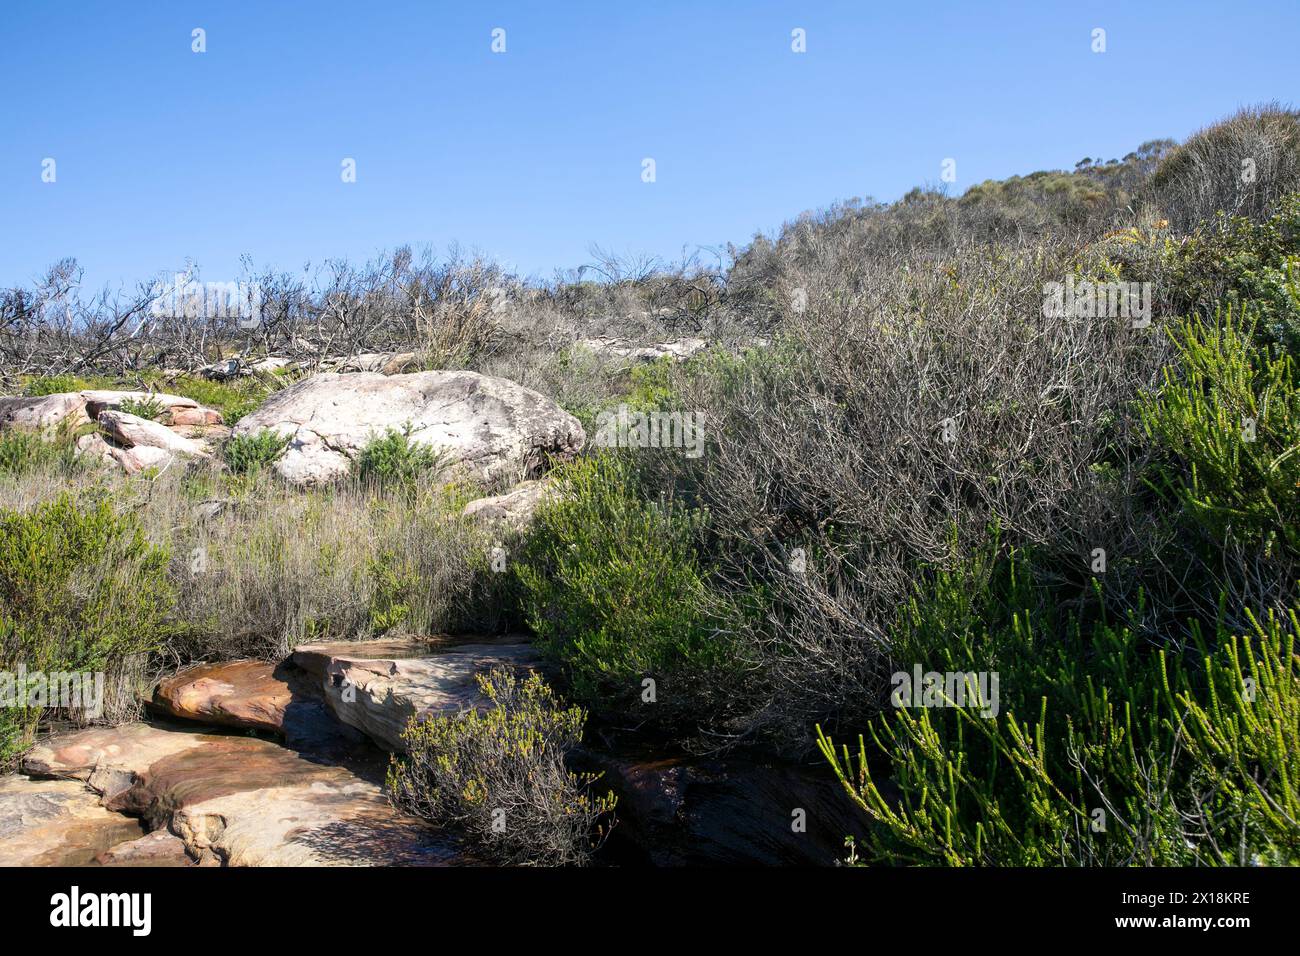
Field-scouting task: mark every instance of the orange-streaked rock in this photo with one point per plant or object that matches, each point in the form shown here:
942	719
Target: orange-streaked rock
233	694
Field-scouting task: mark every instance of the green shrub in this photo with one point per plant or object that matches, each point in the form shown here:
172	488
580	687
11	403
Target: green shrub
247	454
147	408
393	579
500	775
615	594
1241	260
1103	751
234	399
1228	418
53	385
81	589
23	452
392	458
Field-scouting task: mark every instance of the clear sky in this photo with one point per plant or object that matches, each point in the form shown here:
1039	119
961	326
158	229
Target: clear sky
532	155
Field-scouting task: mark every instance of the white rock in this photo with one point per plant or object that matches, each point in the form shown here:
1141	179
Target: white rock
44	412
489	426
515	508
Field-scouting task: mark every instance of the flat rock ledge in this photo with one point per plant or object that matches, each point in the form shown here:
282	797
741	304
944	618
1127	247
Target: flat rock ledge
378	686
229	800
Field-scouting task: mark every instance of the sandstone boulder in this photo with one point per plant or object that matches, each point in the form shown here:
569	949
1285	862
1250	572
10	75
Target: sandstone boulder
254	695
56	823
488	426
378	686
42	413
243	801
101	400
132	431
234	694
131	442
134	460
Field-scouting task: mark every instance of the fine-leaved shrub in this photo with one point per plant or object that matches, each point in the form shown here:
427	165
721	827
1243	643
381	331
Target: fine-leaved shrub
1101	750
81	589
246	454
148	408
500	775
393	458
615	593
1226	425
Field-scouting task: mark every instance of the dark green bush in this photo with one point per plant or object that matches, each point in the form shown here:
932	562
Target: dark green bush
246	454
392	458
615	593
501	775
1228	417
1240	260
80	590
147	408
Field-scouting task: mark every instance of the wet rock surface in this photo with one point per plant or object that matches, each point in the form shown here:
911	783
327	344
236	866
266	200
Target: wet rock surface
160	848
256	764
724	812
56	823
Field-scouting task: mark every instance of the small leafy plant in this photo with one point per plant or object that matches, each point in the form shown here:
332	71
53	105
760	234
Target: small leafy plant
500	774
394	459
247	454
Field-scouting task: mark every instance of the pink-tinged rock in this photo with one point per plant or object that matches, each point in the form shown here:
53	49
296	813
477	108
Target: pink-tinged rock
56	823
129	748
104	399
244	801
158	849
135	460
194	416
94	446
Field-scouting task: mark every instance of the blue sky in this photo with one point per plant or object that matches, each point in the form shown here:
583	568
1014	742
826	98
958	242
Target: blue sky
533	155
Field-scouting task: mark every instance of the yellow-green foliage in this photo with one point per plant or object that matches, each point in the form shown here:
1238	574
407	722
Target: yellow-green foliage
1104	751
499	774
1229	418
22	452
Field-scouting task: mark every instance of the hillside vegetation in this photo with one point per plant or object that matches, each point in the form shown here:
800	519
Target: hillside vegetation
910	466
